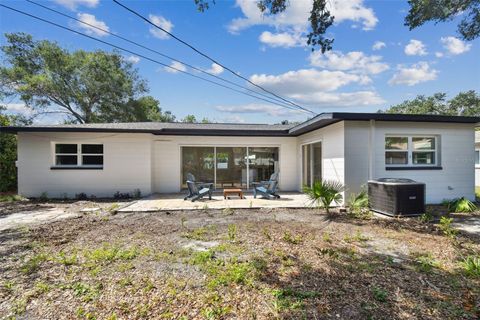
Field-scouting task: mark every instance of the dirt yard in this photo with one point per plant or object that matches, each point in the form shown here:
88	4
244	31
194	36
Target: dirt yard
243	264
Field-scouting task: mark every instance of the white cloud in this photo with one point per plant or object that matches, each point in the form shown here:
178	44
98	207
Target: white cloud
378	45
133	59
91	20
415	48
258	108
215	69
297	13
417	73
317	88
455	46
162	23
355	61
233	119
73	4
307	81
282	39
177	65
438	54
19	108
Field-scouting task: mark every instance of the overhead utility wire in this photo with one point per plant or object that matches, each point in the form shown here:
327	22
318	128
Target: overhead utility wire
211	59
157	52
137	54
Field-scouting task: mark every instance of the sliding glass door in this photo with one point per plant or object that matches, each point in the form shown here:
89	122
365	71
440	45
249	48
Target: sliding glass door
311	163
229	167
199	161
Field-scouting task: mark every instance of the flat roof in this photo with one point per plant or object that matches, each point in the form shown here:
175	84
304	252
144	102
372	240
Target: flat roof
236	129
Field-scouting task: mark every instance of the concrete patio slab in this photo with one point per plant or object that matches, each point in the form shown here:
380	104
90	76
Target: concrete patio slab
162	202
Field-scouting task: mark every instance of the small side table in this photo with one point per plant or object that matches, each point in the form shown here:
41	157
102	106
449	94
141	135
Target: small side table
228	192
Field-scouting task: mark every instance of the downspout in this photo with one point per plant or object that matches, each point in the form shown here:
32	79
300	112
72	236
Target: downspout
371	150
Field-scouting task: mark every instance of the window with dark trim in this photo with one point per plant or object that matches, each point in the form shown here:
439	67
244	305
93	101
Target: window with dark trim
414	151
78	155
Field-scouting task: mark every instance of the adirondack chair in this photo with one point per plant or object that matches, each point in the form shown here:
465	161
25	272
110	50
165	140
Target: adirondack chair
267	189
199	185
195	193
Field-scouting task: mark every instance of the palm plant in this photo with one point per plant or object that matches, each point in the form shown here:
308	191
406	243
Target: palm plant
324	193
460	205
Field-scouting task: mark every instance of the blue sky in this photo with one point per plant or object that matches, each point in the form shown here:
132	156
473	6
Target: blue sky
376	61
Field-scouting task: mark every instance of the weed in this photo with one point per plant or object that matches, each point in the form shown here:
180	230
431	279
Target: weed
266	233
289	238
250	204
205	207
197	234
228	211
148	285
113	208
326	237
426	263
125	266
379	294
471	265
108	253
260	264
9	286
43	196
32	264
357	237
232	232
127	281
446	227
67	260
426	217
19	306
290	299
42	287
10	197
358	206
216	312
183	220
329	252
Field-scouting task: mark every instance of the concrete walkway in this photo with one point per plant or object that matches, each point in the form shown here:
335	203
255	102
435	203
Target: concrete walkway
160	202
470	224
27	218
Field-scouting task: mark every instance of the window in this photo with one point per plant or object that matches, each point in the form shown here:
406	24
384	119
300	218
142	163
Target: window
75	155
477	157
414	151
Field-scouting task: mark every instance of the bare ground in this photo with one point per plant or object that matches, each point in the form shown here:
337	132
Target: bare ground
258	264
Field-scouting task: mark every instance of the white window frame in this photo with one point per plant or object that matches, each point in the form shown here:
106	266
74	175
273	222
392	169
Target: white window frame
79	155
477	165
410	150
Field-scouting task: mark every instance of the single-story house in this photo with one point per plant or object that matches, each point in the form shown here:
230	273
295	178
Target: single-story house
477	158
101	159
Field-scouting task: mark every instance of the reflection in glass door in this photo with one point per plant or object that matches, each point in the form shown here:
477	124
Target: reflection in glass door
311	163
231	165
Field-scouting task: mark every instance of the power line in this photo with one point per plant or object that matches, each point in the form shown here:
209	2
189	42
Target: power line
140	55
210	58
158	52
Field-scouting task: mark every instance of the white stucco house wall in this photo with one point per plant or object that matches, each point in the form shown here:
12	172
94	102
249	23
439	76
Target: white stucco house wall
477	158
101	159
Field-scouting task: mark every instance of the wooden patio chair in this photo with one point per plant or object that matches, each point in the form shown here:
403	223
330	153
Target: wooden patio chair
199	185
195	193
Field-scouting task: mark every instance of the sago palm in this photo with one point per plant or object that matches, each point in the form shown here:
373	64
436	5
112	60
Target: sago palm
324	193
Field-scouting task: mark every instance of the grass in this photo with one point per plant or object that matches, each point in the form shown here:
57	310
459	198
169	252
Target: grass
10	197
471	266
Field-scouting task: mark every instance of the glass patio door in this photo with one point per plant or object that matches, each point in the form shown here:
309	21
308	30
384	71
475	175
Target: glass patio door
311	163
231	167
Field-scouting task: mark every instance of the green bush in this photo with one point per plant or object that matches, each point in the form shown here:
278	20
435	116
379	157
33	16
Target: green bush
471	265
358	205
460	205
324	193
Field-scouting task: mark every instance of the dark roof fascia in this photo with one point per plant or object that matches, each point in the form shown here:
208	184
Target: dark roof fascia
165	131
326	119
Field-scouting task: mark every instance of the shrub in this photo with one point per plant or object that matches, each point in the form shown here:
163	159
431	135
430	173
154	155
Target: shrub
471	265
446	227
81	196
137	193
324	193
119	195
43	196
460	205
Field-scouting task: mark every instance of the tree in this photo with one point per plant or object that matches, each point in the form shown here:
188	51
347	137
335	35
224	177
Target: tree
422	11
8	151
86	86
189	118
464	104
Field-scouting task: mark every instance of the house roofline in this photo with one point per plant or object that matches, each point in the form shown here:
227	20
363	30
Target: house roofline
317	122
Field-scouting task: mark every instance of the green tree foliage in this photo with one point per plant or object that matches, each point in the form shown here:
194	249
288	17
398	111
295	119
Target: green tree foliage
463	104
190	118
8	151
86	86
422	11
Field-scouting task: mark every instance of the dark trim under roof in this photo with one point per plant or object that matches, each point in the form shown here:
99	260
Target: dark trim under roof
223	129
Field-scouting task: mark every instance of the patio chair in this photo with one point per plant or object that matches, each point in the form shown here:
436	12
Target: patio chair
200	185
267	189
195	193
